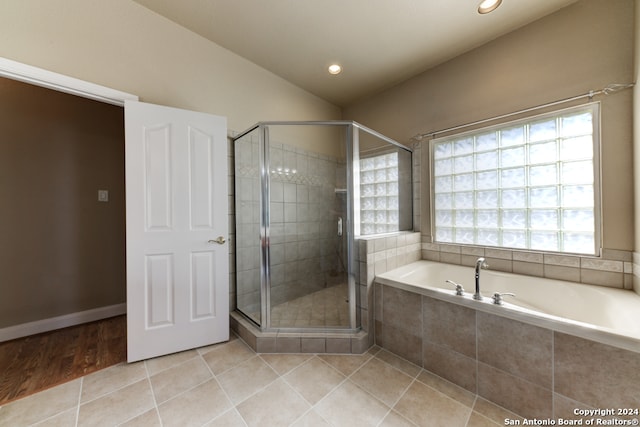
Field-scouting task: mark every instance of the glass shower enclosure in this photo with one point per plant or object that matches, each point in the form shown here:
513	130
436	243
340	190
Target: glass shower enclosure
298	213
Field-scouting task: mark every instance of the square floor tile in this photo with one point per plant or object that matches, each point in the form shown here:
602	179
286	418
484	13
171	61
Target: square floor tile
178	379
445	387
283	363
345	363
40	406
314	379
195	407
148	419
111	379
277	405
117	407
394	419
350	406
311	419
399	363
427	407
230	418
161	363
246	378
478	420
63	419
382	380
225	356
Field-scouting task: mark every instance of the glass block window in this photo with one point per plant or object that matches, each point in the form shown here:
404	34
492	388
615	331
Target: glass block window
379	194
530	184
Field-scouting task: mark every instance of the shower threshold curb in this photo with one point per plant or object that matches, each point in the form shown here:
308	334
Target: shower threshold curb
298	342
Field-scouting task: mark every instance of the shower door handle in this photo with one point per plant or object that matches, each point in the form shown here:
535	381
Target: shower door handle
339	226
220	240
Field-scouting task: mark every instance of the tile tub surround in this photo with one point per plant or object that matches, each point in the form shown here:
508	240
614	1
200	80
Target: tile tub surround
636	272
502	359
615	268
377	255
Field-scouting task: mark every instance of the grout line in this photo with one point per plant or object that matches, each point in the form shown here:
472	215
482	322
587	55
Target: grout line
114	390
153	393
312	406
172	366
215	378
258	390
79	401
477	354
292	369
366	358
553	373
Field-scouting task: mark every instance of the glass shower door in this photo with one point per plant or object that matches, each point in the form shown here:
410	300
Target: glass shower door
247	210
308	226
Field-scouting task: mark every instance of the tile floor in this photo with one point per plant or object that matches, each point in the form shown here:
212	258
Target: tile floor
327	307
230	385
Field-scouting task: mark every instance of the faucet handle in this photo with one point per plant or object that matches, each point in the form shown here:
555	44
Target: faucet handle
497	297
459	288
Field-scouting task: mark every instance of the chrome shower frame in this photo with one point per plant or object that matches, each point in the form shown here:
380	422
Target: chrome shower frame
351	225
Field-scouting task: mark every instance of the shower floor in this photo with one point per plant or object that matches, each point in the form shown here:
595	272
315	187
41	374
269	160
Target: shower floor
324	308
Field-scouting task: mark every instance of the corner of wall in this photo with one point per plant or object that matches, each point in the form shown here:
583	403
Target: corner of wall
636	272
636	148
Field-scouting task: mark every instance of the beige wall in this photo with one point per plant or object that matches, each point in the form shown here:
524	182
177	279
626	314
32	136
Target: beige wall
62	251
122	45
582	47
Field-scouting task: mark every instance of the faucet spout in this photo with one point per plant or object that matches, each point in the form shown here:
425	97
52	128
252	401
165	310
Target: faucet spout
480	263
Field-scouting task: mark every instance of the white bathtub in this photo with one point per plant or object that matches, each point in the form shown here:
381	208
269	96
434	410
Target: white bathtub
610	316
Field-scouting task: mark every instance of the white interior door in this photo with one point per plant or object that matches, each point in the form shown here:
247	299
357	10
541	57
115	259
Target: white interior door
177	224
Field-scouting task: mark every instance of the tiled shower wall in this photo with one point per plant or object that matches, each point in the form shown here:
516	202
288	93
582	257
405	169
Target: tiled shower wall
306	253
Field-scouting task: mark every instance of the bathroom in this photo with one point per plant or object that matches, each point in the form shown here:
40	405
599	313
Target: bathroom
463	104
582	47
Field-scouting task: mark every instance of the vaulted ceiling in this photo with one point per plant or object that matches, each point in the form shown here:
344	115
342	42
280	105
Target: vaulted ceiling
379	43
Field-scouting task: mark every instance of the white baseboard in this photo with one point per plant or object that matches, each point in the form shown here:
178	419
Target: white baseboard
72	319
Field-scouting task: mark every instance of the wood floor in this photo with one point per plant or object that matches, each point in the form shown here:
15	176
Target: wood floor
38	362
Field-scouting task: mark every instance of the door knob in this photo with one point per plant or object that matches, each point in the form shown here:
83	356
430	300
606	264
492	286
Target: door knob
220	240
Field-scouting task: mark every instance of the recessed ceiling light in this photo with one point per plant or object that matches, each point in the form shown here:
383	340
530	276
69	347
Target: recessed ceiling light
487	6
335	69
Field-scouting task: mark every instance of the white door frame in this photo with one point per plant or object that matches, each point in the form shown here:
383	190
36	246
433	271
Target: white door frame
48	79
39	77
44	78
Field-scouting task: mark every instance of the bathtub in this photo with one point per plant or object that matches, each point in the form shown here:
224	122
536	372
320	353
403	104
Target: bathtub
606	315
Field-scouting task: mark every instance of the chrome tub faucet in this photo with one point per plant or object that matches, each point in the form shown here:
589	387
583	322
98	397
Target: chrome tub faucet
459	288
480	263
497	297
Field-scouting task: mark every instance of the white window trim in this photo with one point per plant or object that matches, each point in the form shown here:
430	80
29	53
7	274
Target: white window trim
597	181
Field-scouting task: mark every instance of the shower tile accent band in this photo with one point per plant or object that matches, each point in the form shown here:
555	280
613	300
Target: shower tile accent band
614	269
